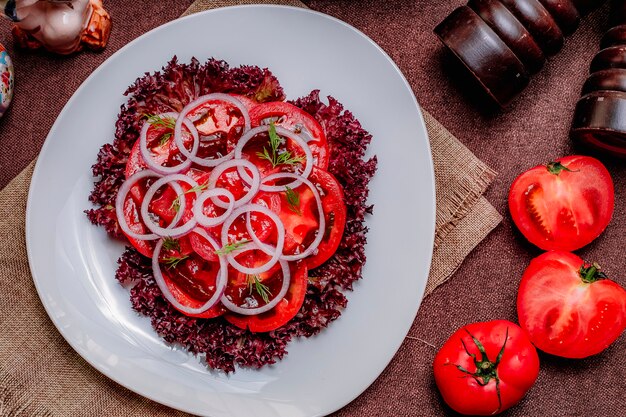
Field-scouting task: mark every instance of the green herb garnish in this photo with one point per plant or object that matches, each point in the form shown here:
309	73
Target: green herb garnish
173	261
293	200
231	247
255	285
169	243
195	189
165	122
166	137
160	121
275	158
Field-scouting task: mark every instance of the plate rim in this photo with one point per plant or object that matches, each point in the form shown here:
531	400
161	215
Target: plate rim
198	15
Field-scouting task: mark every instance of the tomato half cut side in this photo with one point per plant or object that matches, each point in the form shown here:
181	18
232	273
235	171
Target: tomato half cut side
286	309
563	205
297	120
568	307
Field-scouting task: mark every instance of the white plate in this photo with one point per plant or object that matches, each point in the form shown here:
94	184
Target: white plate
73	263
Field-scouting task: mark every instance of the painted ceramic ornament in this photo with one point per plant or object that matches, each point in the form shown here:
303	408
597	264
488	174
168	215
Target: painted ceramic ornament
6	80
60	26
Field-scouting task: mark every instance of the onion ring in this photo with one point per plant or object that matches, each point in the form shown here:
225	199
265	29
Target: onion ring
308	167
198	207
255	180
182	117
258	310
145	152
280	241
167	231
121	199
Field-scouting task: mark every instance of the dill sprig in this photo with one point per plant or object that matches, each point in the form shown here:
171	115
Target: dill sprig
293	200
254	284
231	247
275	158
160	121
173	261
195	189
169	243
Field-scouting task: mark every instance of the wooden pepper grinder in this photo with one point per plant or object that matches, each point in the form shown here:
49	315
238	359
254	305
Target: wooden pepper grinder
600	115
503	42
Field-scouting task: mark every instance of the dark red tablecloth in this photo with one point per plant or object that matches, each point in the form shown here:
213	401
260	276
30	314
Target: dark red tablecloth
532	131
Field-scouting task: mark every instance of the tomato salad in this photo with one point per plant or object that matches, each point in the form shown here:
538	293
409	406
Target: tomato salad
234	206
232	210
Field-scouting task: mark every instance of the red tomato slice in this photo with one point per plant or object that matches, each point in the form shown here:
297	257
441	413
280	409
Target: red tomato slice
564	205
334	213
162	206
262	225
567	308
293	118
219	123
286	309
132	217
192	281
302	222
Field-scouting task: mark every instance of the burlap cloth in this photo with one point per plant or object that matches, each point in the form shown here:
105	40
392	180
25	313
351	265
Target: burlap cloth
41	375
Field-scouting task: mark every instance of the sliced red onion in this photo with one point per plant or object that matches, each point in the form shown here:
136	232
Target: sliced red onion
275	254
198	207
121	198
182	118
145	152
169	231
322	221
254	183
258	310
220	284
281	132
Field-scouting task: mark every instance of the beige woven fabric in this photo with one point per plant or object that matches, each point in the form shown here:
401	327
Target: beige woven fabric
40	374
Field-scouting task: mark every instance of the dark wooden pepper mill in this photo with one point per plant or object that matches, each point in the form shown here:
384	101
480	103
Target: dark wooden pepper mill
600	115
503	42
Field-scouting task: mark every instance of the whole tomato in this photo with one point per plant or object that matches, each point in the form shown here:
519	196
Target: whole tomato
567	306
563	205
486	368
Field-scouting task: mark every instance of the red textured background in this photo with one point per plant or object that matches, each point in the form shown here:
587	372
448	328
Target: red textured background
532	131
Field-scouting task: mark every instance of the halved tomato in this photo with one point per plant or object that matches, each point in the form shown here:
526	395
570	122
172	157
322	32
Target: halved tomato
563	205
568	307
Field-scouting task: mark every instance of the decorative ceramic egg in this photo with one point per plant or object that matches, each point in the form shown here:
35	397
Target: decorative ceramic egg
6	80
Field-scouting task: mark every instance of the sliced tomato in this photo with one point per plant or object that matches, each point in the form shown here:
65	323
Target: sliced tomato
162	207
297	120
262	225
193	282
132	218
220	124
247	102
334	213
286	309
